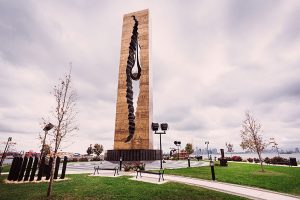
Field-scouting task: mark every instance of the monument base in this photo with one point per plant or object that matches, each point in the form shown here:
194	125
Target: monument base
132	154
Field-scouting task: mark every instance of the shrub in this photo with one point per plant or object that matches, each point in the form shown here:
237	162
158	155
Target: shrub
236	158
138	165
96	158
267	160
250	159
228	158
256	160
279	160
133	166
127	167
84	159
74	160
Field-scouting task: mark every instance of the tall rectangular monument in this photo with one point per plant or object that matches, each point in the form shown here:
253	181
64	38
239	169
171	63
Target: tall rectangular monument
133	135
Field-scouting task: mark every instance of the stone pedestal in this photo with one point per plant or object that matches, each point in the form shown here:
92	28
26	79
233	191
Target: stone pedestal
133	155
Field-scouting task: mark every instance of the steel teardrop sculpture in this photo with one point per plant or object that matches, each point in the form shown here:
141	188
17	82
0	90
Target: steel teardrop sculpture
133	73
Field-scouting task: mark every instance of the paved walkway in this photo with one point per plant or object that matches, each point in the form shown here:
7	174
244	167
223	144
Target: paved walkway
88	167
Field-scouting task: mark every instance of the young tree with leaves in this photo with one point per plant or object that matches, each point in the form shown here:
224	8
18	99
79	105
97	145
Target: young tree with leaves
98	148
252	138
65	118
189	148
89	150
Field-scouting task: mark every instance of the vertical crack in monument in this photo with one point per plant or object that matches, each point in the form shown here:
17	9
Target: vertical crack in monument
133	135
132	63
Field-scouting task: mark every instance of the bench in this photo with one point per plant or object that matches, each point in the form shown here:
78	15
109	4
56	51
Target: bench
115	169
160	173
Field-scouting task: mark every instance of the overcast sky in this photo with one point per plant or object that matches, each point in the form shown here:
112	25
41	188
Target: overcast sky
211	62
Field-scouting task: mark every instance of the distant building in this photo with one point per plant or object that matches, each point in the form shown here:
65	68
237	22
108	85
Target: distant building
214	151
32	154
182	155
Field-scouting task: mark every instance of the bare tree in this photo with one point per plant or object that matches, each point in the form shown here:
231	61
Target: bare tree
65	117
8	147
229	148
252	137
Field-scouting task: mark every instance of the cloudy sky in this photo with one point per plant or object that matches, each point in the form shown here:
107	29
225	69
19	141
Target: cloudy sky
211	62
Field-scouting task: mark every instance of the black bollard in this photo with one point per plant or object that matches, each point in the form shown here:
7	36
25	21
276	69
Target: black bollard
120	164
18	169
49	168
12	169
189	162
41	169
212	168
34	167
28	169
63	173
15	168
23	168
56	167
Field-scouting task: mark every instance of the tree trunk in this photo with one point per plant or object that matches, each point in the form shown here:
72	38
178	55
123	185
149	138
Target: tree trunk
51	175
261	162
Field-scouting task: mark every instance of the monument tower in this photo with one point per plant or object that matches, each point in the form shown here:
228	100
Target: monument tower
133	135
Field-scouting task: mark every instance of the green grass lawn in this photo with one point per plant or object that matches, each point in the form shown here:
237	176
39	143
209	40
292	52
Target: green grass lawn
6	168
85	187
281	179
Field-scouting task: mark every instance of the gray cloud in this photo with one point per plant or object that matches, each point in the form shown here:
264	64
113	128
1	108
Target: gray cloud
211	62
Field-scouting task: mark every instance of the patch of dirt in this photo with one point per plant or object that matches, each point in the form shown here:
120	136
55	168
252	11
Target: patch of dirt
34	181
269	173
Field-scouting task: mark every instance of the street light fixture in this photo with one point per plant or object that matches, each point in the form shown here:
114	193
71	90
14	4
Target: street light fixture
178	144
48	127
207	142
164	127
272	141
155	126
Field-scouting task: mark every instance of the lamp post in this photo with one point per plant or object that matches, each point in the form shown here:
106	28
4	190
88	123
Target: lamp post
164	127
47	128
272	141
177	143
4	153
207	142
